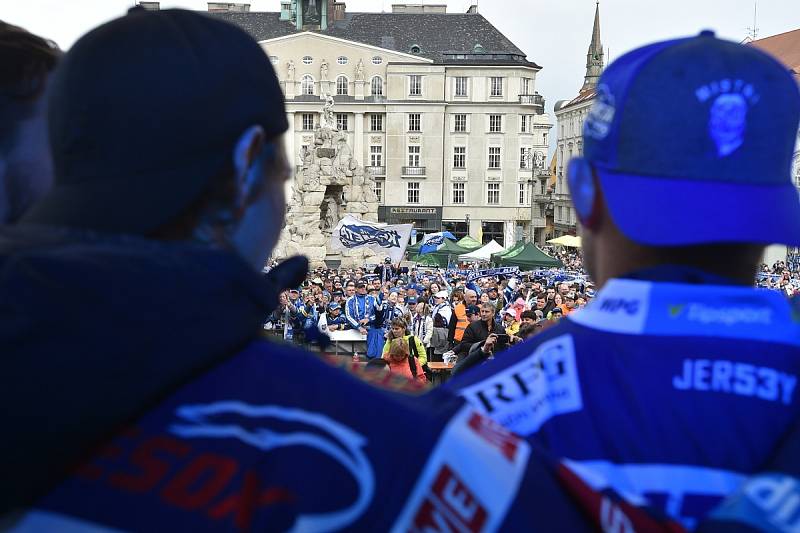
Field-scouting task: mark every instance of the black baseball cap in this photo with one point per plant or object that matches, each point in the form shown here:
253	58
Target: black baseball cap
473	310
146	109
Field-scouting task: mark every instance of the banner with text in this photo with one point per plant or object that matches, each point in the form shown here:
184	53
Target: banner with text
391	241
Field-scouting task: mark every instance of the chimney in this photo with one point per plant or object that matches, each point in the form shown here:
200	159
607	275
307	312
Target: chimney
473	9
150	6
419	8
339	9
227	7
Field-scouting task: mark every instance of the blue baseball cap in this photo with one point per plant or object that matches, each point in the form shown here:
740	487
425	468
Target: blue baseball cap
692	140
334	306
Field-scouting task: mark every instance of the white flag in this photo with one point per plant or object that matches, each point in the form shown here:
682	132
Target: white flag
390	241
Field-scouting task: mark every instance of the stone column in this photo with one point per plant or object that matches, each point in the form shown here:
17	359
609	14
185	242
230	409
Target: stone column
358	143
290	141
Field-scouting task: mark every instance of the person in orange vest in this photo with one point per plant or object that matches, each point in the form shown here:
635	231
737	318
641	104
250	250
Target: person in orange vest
459	321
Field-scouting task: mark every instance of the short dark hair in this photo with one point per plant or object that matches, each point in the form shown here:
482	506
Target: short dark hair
528	314
27	60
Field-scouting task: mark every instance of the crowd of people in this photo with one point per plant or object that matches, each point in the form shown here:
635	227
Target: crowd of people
437	307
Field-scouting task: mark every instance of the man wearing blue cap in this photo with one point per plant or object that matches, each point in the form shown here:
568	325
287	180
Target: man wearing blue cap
680	377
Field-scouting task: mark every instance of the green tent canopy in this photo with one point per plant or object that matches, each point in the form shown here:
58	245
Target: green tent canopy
529	257
469	243
449	249
499	255
429	260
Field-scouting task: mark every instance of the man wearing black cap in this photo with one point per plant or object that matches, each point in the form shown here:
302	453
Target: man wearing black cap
680	377
131	306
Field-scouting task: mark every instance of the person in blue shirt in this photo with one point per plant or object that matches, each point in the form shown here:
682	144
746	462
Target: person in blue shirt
336	320
361	311
680	378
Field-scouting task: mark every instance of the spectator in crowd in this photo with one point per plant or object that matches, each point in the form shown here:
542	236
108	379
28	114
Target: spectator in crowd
479	329
399	330
25	164
422	326
527	318
510	324
402	362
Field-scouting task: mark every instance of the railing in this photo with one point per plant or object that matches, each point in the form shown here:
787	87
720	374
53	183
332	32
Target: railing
413	171
377	171
534	100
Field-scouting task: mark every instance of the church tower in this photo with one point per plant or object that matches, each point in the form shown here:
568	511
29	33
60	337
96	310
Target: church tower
594	58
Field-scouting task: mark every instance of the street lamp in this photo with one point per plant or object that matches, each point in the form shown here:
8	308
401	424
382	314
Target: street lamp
466	220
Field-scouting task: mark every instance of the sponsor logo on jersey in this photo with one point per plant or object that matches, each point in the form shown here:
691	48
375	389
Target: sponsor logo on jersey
728	316
527	394
768	502
257	426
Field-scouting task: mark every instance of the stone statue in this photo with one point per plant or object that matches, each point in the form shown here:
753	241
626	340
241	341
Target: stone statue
306	157
290	70
323	70
328	118
360	70
369	188
344	155
331	215
538	161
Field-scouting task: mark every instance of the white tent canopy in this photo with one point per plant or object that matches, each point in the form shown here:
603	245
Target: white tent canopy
482	254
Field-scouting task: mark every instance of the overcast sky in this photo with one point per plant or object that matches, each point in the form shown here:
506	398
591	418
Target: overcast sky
554	33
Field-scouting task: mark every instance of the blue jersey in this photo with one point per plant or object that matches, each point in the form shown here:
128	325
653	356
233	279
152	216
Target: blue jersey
359	307
669	393
271	441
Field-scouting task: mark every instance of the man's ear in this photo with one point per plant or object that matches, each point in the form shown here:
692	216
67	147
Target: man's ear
245	162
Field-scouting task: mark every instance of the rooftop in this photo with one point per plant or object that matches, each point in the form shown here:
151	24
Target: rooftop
445	38
785	47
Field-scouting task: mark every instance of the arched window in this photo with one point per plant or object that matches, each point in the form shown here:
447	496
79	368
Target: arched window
341	85
307	85
377	86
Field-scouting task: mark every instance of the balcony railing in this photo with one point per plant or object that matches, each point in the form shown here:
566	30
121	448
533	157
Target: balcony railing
534	100
377	171
413	171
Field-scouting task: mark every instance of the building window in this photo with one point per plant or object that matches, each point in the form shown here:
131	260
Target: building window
460	157
461	86
495	123
459	193
341	121
526	86
492	231
342	60
377	60
376	122
544	138
460	123
542	211
376	156
493	194
525	123
458	229
308	121
274	60
377	86
307	60
496	86
494	157
522	187
307	85
560	212
414	152
414	122
379	190
524	159
415	49
412	192
341	86
415	85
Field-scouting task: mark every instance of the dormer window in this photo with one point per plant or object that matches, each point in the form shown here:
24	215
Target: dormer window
342	60
415	49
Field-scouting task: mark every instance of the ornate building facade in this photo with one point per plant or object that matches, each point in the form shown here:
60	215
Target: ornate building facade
440	109
570	115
